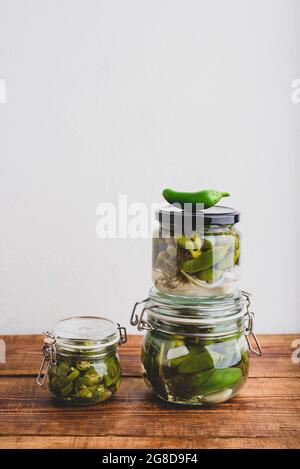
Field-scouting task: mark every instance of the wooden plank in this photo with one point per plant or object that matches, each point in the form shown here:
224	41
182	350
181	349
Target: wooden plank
24	355
112	442
25	388
265	407
200	425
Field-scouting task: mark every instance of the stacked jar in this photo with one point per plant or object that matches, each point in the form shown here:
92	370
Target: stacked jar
198	323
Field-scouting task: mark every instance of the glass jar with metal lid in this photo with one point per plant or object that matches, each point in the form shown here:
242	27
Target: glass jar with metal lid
80	358
196	252
195	352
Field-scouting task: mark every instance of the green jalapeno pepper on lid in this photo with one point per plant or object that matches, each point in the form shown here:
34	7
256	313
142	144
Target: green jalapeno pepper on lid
207	197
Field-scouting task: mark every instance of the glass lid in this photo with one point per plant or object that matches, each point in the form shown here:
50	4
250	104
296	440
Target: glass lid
85	328
206	310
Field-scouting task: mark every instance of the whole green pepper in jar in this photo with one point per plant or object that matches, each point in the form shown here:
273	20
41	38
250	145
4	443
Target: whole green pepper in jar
192	371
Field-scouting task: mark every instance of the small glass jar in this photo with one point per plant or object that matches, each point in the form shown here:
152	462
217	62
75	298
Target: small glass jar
195	353
196	253
81	360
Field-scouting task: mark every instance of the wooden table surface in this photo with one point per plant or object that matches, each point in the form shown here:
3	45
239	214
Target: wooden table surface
266	413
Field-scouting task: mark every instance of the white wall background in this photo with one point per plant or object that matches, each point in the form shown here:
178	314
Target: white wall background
107	97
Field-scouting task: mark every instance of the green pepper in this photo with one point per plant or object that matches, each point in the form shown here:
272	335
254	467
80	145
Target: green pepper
221	379
83	365
208	197
196	361
62	369
185	242
90	377
101	394
194	385
84	393
210	275
208	243
73	375
196	253
66	390
205	261
111	380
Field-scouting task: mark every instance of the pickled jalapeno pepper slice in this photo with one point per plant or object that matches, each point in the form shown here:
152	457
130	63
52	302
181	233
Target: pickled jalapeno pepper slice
84	381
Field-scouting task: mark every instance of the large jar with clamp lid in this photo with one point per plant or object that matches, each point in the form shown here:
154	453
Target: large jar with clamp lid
195	353
80	358
196	253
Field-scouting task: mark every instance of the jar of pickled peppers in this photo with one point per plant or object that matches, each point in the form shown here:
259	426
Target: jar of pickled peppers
81	360
195	353
196	253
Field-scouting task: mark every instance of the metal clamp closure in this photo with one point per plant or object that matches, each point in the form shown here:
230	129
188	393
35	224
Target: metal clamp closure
123	334
141	324
138	319
49	357
249	316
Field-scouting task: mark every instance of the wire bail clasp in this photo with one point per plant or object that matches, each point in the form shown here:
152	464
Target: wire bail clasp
249	327
49	358
138	319
123	334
